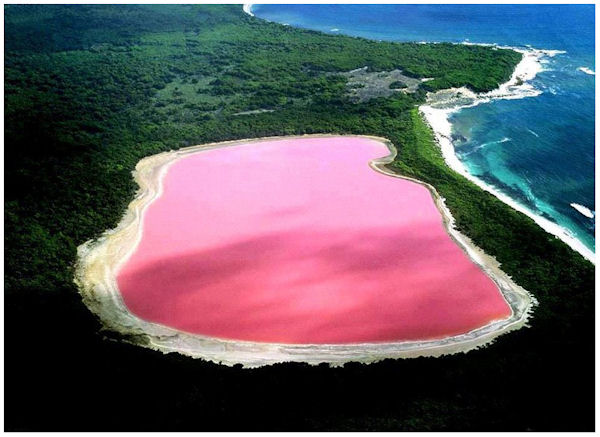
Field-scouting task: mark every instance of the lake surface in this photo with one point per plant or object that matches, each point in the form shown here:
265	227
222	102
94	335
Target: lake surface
538	150
300	241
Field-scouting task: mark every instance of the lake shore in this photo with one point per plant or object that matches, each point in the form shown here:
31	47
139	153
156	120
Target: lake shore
99	262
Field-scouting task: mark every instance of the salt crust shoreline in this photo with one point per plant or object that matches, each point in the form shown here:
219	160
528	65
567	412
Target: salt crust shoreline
99	261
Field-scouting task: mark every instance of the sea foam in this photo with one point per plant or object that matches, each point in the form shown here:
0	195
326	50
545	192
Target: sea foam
583	210
587	70
489	143
518	87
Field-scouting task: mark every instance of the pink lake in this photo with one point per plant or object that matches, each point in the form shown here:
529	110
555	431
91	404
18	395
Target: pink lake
300	241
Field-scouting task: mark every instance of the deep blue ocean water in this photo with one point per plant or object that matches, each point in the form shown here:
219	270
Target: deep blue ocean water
538	150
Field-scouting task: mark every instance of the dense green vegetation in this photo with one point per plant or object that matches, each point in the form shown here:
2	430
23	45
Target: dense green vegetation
90	90
396	85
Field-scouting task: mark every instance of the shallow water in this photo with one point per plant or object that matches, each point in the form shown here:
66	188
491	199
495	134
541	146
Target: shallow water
301	241
547	162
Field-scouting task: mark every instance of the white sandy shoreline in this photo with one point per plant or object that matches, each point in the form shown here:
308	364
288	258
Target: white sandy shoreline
516	88
247	8
437	119
99	262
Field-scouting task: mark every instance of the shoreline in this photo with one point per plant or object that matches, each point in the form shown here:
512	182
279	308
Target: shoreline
247	8
517	87
98	263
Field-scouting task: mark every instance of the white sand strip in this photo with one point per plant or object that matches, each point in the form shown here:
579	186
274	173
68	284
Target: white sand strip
248	9
516	88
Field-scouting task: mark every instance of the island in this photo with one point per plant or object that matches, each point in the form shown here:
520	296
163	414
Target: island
96	92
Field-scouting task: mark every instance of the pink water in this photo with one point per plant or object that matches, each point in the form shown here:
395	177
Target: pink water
300	241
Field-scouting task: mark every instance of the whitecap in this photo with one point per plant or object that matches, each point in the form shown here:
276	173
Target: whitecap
553	53
489	143
533	133
587	71
583	210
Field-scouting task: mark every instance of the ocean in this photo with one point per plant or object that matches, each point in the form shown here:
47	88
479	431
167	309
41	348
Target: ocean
538	151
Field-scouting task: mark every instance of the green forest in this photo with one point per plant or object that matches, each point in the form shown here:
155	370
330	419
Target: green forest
92	89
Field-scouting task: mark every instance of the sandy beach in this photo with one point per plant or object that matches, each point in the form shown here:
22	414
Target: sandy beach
247	8
99	262
517	87
441	105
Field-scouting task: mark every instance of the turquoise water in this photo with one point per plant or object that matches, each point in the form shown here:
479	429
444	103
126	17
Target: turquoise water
538	150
